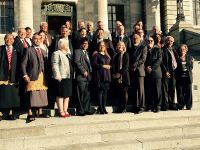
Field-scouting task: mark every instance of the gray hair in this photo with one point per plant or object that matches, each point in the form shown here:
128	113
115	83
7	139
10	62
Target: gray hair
62	43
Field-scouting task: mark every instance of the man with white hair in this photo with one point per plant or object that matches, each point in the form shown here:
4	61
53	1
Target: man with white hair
169	65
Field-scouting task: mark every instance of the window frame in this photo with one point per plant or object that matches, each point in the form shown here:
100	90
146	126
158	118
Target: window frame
6	16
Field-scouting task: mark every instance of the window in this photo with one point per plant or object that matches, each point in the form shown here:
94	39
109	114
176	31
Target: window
115	12
196	12
6	16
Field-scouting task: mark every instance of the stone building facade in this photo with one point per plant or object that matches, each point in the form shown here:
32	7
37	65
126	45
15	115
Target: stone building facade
162	13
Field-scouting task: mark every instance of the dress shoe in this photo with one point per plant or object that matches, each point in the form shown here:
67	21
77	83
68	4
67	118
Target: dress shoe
105	112
0	118
80	114
156	110
30	118
67	115
90	112
180	107
43	116
173	108
10	117
188	108
62	115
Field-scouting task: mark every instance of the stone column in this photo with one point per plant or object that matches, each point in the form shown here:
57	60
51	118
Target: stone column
16	24
25	13
152	14
102	12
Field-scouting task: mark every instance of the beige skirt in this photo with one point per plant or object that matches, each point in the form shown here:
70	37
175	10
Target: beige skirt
37	92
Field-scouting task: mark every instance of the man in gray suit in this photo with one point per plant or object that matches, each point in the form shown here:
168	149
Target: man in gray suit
33	71
83	78
137	54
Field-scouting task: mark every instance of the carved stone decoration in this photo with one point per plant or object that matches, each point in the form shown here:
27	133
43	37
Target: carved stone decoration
180	11
57	9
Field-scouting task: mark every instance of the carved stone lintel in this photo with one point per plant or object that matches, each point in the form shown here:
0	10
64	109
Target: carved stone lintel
57	9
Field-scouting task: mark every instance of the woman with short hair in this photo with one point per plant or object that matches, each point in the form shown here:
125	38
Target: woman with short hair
62	73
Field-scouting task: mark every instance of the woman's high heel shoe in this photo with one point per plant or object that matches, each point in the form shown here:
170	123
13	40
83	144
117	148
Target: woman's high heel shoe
62	114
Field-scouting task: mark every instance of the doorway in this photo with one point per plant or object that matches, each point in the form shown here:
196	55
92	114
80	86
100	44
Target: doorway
55	22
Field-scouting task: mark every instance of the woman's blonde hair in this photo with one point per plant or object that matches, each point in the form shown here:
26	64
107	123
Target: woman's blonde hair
124	47
183	45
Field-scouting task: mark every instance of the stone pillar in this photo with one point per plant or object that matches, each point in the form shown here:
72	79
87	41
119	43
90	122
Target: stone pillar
25	13
152	14
102	12
16	24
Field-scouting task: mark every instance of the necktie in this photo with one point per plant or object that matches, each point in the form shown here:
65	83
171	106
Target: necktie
86	54
24	43
9	55
174	63
38	51
120	38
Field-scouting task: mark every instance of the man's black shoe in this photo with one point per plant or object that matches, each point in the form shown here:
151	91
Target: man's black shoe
80	114
10	117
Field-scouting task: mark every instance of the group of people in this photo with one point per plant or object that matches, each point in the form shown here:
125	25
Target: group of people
88	64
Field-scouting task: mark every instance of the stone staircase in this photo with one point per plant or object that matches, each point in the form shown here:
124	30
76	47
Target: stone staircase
163	130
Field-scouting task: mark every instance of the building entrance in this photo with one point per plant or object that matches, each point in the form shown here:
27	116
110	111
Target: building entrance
55	22
57	13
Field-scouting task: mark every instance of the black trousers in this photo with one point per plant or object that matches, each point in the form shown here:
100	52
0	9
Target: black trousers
184	92
121	95
83	97
136	91
168	89
153	93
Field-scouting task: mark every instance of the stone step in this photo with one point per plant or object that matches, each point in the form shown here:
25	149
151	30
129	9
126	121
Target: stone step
46	141
85	128
149	133
99	129
126	117
146	135
171	143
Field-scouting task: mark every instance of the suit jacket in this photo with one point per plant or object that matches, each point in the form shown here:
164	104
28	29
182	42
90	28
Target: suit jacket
109	46
59	66
124	71
137	59
19	46
31	63
125	39
4	72
189	66
166	64
82	65
154	60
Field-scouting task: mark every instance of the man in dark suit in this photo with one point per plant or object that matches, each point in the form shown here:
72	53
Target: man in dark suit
20	42
21	45
100	37
121	37
153	92
169	65
9	75
83	78
90	31
65	35
137	53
